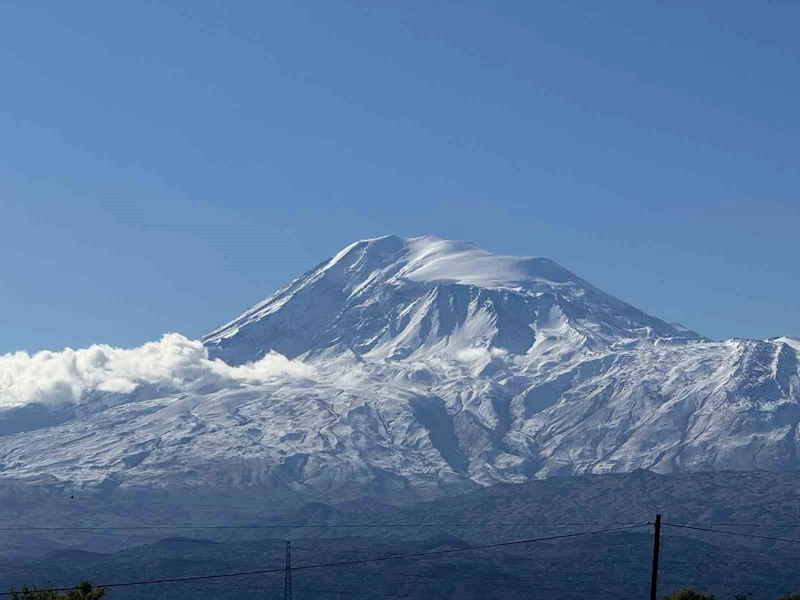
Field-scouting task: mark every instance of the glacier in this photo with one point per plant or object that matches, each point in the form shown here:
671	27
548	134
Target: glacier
428	367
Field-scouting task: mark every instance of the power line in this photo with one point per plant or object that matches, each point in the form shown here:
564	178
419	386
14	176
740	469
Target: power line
508	578
770	525
338	551
345	526
377	526
717	562
582	558
353	562
737	533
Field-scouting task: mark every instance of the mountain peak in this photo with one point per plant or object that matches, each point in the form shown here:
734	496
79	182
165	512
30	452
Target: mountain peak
436	260
391	296
433	260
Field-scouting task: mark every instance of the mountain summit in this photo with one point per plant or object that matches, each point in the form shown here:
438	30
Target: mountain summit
425	366
389	297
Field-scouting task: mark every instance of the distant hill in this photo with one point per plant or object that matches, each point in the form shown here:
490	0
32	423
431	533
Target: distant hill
616	563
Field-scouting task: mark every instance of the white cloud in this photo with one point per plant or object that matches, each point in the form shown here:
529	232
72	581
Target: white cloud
173	361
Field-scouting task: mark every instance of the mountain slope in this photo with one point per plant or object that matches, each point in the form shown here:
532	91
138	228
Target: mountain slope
434	366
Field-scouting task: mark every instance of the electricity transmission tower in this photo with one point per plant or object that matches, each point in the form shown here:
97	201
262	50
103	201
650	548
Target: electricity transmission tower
287	581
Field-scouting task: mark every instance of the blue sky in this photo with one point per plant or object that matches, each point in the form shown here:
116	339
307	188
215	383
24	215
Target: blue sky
164	165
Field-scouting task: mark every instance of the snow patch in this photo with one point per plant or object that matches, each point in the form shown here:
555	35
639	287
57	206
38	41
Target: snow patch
434	260
789	341
479	354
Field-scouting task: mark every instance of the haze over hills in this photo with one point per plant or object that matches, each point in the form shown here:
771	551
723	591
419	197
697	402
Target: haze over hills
409	368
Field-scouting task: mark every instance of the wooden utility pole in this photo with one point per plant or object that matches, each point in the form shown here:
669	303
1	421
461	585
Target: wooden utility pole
656	548
287	581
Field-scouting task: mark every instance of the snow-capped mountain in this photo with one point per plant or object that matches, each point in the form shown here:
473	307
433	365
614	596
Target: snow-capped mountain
389	298
430	365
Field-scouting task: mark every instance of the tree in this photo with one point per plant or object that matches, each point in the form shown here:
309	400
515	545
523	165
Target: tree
689	594
83	591
790	597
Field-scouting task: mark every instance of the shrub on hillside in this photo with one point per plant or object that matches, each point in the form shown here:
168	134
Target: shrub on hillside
689	594
83	591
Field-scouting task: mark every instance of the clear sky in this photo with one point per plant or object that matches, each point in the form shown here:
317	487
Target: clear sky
164	165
